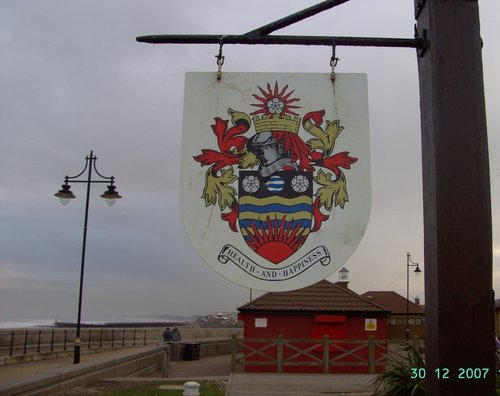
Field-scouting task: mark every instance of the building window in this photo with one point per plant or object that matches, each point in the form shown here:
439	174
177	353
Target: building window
260	322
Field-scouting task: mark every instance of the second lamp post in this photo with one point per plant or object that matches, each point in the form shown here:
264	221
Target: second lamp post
65	195
417	272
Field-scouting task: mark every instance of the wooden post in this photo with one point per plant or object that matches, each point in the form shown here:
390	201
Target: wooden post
371	354
279	357
326	355
456	193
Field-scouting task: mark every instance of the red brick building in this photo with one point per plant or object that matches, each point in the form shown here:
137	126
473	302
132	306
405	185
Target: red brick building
396	304
323	309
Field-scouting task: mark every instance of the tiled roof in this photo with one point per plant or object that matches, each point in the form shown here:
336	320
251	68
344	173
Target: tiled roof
323	296
393	302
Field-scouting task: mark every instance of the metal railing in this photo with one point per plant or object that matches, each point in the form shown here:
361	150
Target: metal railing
56	340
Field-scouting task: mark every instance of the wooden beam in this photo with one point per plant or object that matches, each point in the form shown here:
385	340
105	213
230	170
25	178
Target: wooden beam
457	209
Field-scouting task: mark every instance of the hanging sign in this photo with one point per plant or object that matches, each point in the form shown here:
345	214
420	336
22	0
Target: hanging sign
275	174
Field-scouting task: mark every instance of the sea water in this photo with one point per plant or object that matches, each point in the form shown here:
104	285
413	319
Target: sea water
16	324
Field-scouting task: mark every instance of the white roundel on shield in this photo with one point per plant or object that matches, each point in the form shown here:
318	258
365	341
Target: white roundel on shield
275	174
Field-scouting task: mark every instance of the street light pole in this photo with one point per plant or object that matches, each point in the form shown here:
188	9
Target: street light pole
65	195
409	263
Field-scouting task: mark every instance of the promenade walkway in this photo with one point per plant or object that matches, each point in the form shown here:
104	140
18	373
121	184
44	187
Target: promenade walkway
218	368
27	369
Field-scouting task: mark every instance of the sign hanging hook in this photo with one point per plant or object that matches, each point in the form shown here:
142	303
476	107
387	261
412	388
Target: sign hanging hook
333	62
220	58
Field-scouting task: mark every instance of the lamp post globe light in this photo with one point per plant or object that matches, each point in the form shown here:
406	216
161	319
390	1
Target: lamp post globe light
65	195
417	271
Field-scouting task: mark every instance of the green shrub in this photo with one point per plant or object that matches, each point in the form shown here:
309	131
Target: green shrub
400	376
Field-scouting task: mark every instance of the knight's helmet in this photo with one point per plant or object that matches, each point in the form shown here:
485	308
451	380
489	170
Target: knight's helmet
270	153
267	148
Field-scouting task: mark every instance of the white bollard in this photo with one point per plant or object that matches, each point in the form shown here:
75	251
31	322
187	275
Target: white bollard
191	388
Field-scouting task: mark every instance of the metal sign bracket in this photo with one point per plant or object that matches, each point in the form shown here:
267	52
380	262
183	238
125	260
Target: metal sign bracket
262	35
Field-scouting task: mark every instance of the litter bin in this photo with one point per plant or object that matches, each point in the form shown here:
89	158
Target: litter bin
191	351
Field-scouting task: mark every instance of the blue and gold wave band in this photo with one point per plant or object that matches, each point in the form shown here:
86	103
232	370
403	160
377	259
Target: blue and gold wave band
298	212
277	208
276	200
299	207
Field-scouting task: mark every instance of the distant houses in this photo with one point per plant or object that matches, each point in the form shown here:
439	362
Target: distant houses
397	321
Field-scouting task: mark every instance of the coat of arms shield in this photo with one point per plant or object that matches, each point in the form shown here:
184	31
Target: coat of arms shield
275	174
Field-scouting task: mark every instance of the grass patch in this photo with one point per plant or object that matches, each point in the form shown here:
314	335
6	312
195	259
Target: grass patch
206	389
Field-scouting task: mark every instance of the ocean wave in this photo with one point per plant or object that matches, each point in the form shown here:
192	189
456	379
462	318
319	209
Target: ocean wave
26	323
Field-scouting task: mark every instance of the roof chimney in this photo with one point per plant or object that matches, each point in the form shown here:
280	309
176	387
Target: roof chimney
417	300
343	277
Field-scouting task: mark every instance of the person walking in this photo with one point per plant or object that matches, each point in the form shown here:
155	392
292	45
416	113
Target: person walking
176	335
167	335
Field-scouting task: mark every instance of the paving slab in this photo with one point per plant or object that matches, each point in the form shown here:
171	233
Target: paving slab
208	366
244	384
27	369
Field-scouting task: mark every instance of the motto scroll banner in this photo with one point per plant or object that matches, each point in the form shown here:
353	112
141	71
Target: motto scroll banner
275	174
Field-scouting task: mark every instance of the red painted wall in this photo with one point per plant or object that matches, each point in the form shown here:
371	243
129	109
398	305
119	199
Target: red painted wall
306	327
290	326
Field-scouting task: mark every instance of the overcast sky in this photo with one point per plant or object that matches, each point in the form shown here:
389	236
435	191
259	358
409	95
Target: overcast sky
74	79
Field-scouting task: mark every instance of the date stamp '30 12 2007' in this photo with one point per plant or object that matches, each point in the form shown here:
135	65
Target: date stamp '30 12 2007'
467	373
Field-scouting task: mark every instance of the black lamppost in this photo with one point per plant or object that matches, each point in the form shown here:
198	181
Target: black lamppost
65	195
409	263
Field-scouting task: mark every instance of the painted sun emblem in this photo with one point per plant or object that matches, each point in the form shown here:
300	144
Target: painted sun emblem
274	101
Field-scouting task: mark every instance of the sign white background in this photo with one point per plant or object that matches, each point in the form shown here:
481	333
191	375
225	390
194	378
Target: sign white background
207	98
